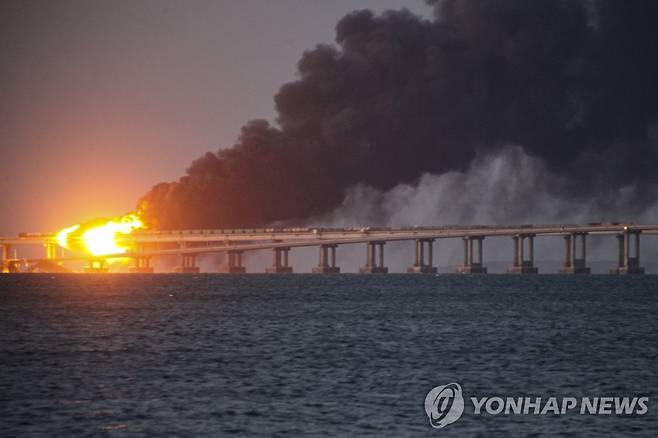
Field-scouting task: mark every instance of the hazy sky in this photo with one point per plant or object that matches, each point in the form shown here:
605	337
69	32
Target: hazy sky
102	99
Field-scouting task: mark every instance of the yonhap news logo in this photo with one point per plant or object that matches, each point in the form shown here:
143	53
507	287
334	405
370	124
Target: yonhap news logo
445	404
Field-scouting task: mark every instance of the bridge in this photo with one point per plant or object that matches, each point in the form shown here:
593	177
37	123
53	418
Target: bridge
190	244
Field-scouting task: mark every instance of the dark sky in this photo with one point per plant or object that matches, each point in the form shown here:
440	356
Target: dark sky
102	99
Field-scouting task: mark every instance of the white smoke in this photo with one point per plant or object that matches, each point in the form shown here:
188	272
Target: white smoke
509	187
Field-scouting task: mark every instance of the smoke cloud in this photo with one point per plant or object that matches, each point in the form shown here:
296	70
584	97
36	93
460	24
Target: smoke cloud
507	186
401	103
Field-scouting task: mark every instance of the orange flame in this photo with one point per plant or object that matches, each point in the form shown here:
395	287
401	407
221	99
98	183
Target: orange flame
101	237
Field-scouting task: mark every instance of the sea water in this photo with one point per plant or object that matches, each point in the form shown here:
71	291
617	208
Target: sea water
330	355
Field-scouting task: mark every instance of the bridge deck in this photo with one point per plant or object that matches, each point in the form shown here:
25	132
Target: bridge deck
364	233
212	241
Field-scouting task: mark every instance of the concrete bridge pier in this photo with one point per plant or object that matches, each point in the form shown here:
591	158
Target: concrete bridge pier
327	264
14	266
188	264
96	266
279	262
420	266
572	263
4	258
521	265
142	265
471	264
233	263
627	264
372	265
51	250
8	264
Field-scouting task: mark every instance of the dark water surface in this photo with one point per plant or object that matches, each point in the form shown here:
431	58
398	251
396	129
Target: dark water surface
301	355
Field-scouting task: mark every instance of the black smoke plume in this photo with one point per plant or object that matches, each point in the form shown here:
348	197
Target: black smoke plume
575	83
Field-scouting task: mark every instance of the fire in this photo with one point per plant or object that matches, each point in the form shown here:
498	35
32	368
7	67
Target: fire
100	237
63	235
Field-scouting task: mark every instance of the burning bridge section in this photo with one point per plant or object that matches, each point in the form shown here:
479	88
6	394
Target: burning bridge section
125	244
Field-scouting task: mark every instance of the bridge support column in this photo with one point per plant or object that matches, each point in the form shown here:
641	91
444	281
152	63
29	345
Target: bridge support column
327	264
233	263
279	262
96	266
423	265
4	258
7	263
472	264
628	264
142	265
521	264
188	264
15	266
572	263
372	265
51	250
